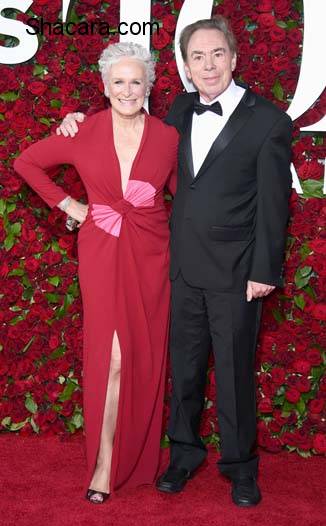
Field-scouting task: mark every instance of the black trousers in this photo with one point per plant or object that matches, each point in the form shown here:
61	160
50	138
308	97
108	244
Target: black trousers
201	320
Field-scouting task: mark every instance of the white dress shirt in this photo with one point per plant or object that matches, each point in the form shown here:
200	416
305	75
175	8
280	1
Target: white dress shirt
207	126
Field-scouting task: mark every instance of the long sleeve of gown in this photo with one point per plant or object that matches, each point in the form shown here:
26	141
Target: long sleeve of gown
33	162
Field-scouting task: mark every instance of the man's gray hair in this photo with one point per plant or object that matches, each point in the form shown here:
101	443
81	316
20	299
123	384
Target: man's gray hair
114	52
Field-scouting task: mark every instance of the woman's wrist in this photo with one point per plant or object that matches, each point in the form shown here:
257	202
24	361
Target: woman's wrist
64	204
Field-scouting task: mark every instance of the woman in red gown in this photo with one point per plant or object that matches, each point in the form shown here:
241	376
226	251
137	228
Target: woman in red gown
125	158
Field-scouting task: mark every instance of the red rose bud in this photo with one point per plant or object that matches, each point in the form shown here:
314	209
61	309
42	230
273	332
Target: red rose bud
314	357
292	395
37	88
265	405
301	366
319	443
161	39
316	406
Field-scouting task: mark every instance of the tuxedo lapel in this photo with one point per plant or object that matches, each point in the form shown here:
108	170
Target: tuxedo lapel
237	120
185	145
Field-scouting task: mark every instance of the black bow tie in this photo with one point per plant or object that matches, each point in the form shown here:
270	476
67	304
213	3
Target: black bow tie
200	108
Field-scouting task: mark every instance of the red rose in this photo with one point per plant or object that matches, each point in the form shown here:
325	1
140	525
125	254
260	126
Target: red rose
169	23
316	406
265	6
37	88
318	246
314	357
319	311
280	63
282	7
295	35
158	11
277	34
54	341
301	366
278	375
163	83
160	39
310	170
319	443
303	385
292	395
177	4
266	20
265	405
32	264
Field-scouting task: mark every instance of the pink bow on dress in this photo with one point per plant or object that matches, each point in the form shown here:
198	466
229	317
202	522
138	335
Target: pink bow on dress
138	194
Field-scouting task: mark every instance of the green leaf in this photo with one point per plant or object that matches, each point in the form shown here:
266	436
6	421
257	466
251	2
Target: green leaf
28	294
15	229
319	140
39	69
55	103
277	90
52	297
54	280
301	406
17	319
30	404
58	352
5	422
304	454
68	391
300	301
302	277
45	121
71	427
16	272
305	251
9	242
34	425
11	207
18	425
305	271
9	96
312	188
281	24
310	291
15	308
278	316
77	420
2	207
317	372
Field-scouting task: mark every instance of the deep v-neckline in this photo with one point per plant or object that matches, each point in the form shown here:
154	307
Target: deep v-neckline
135	160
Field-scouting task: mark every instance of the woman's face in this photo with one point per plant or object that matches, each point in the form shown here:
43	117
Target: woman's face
127	86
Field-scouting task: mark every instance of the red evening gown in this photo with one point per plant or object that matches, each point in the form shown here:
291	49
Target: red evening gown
123	251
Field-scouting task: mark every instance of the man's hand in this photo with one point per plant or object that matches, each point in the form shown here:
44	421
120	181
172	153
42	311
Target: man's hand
68	127
77	211
258	290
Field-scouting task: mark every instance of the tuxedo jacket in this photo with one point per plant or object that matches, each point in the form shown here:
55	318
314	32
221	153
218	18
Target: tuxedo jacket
228	223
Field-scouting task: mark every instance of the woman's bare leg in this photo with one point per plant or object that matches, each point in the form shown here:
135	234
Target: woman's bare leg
101	476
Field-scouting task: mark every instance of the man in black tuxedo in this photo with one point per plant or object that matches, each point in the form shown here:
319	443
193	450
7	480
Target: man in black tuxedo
227	241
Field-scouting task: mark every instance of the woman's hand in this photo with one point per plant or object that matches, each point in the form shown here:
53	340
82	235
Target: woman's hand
68	127
77	211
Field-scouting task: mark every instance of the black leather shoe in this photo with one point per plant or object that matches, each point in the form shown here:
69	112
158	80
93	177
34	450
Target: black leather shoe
173	480
245	491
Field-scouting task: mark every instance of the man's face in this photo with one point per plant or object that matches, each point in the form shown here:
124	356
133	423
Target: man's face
209	63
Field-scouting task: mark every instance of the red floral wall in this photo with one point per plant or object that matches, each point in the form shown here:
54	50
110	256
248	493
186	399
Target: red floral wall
41	312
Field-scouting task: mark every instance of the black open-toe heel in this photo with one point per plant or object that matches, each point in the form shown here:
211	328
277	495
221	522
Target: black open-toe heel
103	496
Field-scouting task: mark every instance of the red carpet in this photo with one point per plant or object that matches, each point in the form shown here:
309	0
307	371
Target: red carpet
41	481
